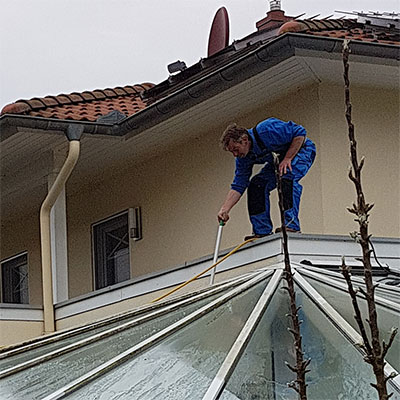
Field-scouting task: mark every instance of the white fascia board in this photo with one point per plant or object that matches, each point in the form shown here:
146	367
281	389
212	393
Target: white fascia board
20	314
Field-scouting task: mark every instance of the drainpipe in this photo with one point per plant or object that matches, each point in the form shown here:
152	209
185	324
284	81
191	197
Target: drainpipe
73	134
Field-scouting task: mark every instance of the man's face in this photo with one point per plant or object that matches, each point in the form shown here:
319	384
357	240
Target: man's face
239	149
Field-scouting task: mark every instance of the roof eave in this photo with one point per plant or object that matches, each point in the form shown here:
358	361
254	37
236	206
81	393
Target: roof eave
232	73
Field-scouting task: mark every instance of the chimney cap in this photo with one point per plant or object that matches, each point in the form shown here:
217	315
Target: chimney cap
274	5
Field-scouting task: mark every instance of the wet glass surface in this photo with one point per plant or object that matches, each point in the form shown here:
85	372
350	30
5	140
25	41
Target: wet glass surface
45	378
183	365
27	355
337	368
387	318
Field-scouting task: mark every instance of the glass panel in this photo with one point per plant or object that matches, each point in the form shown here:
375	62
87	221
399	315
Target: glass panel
261	372
337	368
40	380
387	318
183	365
47	348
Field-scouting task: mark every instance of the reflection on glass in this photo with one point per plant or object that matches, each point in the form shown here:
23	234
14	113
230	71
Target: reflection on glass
45	378
183	365
337	368
387	318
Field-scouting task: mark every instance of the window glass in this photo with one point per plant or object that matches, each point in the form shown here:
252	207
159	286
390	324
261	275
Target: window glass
14	280
111	251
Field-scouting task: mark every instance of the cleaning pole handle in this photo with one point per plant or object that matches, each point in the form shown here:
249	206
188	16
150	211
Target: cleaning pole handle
219	234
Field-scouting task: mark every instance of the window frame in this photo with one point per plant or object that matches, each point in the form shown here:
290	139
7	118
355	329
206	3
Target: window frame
93	242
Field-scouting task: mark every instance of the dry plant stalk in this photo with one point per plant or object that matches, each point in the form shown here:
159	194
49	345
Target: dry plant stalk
375	352
299	385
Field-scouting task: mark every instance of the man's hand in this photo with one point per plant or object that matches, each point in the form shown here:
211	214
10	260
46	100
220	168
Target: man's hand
295	146
223	215
284	166
231	199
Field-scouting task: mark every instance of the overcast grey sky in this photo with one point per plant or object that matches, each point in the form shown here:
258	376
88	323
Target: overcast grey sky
48	47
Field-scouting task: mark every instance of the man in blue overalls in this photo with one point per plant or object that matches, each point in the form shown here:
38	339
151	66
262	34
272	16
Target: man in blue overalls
255	146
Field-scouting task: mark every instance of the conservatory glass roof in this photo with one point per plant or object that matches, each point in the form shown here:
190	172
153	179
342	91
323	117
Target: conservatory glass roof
229	341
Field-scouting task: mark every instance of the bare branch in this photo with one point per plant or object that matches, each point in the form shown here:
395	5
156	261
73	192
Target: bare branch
299	385
346	274
385	346
375	352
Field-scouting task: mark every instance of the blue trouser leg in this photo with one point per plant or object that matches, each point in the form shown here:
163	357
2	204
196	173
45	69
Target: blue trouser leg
258	200
300	166
261	185
292	213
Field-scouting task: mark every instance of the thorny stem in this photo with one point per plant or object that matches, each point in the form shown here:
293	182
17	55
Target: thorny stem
299	385
375	353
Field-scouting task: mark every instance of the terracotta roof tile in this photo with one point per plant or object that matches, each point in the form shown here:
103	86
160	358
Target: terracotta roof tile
85	106
342	28
49	101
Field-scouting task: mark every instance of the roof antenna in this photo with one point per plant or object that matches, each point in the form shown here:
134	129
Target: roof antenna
274	5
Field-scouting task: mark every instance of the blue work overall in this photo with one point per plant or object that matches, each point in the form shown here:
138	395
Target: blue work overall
273	135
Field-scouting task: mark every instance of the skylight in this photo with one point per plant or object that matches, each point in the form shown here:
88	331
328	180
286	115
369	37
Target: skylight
228	342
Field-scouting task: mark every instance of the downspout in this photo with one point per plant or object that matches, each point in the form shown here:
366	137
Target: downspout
73	134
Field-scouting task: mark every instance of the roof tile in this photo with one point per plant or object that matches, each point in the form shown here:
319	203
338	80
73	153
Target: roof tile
85	106
36	103
342	28
99	94
49	101
87	96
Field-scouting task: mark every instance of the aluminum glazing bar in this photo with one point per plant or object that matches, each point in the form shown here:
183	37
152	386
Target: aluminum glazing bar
154	339
347	330
231	360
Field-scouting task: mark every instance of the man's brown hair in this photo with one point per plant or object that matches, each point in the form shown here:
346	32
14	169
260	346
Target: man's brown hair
232	132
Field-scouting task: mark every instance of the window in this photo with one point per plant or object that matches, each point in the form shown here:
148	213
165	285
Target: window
14	280
111	250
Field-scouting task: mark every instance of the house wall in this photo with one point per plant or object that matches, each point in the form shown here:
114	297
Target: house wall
22	235
180	194
12	332
181	191
377	130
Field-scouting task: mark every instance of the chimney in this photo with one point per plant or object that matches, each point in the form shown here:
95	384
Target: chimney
275	17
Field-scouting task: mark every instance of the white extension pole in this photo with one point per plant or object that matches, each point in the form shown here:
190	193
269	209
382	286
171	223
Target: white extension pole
217	244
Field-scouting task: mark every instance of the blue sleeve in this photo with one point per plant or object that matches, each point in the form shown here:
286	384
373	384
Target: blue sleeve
243	172
276	133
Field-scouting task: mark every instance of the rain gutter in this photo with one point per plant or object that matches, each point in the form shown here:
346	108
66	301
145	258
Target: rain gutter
73	133
252	63
10	122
